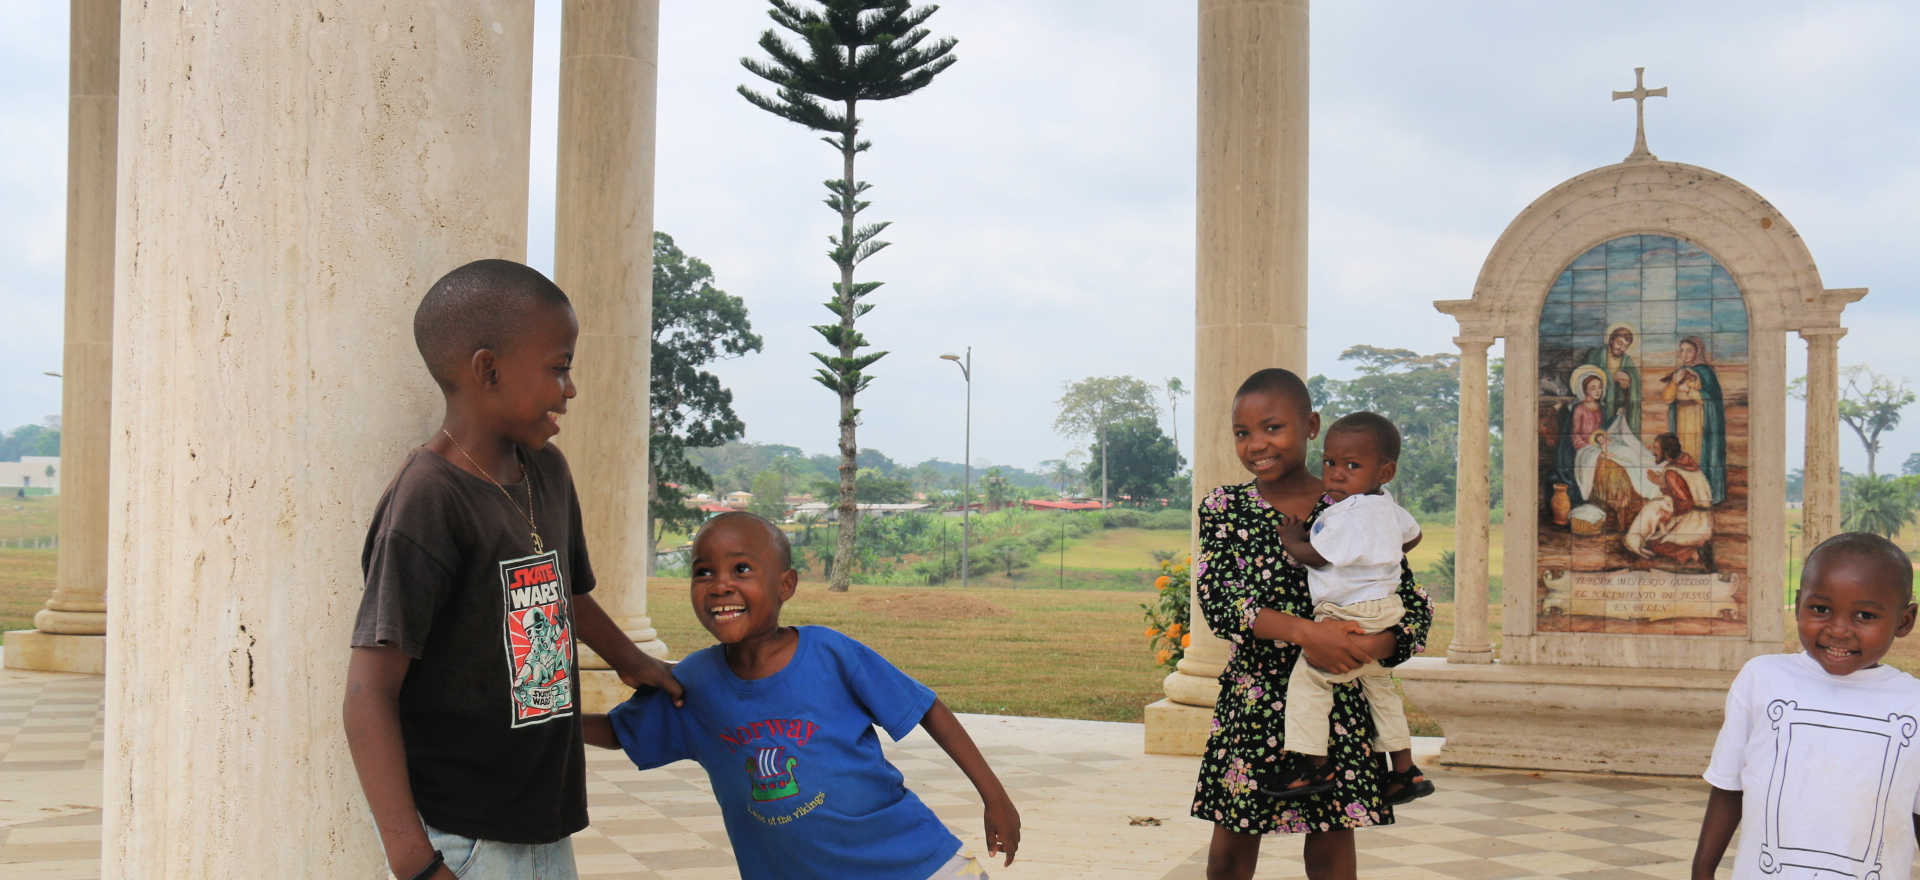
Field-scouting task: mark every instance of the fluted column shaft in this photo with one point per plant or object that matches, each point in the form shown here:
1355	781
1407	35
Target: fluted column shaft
293	180
1250	295
1820	491
603	259
79	602
1470	643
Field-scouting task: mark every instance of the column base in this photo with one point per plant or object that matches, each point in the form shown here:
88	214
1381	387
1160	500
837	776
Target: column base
1177	729
1469	655
39	651
66	621
1590	719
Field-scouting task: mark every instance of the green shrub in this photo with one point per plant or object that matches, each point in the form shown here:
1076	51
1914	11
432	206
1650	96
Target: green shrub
1123	518
1171	518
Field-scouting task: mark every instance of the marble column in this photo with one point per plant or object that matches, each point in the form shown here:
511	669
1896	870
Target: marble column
69	633
1820	493
1471	510
603	259
1250	294
294	179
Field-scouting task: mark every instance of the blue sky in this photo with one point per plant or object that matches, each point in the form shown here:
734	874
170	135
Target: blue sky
1042	189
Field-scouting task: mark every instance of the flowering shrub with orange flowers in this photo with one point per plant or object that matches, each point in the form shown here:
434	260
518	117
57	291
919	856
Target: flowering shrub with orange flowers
1167	613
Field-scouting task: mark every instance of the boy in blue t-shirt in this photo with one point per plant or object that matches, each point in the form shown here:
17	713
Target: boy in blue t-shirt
782	719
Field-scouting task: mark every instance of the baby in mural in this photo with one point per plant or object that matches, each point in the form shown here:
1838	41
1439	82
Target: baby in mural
1818	747
782	720
1352	555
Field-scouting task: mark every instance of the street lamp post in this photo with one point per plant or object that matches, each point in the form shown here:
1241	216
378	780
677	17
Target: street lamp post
966	478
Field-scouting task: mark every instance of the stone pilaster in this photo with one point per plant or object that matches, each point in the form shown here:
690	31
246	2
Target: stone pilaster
69	633
1250	294
603	259
1820	493
293	181
1471	510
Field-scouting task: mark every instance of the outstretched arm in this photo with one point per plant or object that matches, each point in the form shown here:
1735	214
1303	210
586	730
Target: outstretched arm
1002	820
1716	831
637	669
371	713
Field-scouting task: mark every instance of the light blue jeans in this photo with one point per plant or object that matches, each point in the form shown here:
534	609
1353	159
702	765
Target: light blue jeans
472	859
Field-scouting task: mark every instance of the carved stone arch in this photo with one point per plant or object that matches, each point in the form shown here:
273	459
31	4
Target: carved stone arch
1743	231
1782	290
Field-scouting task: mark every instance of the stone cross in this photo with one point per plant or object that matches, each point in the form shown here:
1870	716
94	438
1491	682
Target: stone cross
1640	94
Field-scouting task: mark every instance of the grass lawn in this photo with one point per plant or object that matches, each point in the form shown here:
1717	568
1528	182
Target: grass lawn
1123	549
1035	652
32	517
1108	559
26	580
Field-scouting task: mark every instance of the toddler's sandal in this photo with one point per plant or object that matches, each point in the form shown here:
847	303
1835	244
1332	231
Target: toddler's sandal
1399	787
1295	767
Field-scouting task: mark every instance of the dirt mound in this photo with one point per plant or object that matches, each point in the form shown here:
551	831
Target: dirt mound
933	606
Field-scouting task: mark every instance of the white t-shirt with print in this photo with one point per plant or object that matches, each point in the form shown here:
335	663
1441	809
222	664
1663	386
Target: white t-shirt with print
1360	536
1828	767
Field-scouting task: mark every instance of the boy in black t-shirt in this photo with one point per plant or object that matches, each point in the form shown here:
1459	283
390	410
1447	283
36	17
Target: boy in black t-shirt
463	700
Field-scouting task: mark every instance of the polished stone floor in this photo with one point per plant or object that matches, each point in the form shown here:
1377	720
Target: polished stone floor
1080	787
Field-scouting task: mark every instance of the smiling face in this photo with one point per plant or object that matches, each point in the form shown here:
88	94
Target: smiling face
1353	464
1850	611
534	377
1271	432
739	581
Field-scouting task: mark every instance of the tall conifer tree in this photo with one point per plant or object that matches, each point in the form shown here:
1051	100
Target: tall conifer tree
854	50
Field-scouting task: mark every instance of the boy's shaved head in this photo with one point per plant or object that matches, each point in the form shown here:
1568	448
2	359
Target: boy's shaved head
1866	547
782	545
477	306
1279	383
1386	437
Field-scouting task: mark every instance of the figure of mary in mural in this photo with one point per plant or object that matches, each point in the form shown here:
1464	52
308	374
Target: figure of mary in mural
1697	414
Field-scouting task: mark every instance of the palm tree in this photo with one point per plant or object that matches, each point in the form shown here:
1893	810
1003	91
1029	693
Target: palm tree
856	50
1061	472
1880	505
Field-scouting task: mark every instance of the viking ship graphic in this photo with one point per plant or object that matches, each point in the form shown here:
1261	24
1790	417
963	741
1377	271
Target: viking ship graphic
772	772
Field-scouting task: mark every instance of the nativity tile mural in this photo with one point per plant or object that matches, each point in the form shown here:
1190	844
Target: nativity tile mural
1643	443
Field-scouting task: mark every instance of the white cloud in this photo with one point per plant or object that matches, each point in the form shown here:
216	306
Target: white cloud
1042	189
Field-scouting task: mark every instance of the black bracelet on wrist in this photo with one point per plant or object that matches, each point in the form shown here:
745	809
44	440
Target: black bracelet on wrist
439	859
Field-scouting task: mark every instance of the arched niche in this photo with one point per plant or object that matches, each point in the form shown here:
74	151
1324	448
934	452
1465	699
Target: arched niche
1717	221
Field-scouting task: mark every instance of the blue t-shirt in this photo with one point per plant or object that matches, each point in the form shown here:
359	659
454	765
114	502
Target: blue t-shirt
795	764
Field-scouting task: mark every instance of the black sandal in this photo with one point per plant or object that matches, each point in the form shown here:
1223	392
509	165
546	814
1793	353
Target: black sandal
1399	787
1295	767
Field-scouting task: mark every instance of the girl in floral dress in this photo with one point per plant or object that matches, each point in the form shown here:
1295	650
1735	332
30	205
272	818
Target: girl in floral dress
1257	600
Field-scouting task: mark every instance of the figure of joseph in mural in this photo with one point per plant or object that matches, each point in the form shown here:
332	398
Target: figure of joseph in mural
1621	395
1697	414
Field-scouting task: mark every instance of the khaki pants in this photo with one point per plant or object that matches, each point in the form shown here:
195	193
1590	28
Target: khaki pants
1310	691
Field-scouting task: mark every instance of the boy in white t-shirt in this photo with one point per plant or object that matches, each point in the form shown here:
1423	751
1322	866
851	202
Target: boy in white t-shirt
1819	747
1353	559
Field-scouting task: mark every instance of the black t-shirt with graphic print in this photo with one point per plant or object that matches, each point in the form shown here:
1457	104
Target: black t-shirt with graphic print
490	709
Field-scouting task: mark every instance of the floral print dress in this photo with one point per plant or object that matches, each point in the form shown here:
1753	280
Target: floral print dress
1242	569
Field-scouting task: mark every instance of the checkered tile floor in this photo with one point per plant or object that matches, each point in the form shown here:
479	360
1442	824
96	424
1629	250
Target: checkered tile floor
1077	784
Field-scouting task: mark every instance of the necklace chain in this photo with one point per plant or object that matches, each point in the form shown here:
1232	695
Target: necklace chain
532	527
